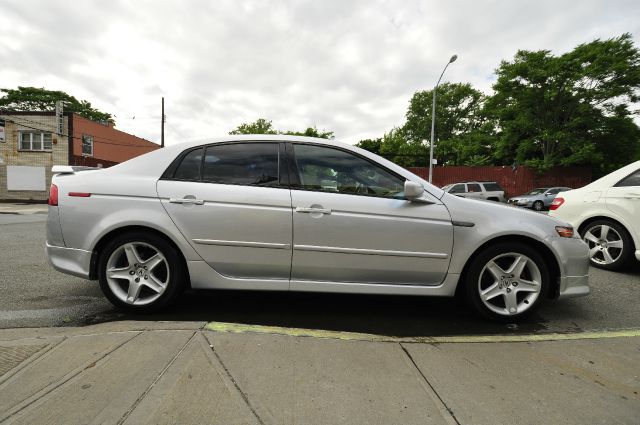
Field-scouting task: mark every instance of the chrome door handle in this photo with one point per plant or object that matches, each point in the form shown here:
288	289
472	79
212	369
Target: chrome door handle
313	210
187	201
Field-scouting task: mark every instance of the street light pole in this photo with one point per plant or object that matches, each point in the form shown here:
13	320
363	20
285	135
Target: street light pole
433	117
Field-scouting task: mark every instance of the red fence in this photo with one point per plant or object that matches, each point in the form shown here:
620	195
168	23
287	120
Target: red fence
514	182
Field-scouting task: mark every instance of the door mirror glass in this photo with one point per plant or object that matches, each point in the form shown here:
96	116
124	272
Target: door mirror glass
412	190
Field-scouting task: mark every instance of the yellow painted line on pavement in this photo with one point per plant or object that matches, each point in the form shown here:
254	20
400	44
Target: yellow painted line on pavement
355	336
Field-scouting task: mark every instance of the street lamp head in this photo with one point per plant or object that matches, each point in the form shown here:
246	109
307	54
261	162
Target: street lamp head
453	58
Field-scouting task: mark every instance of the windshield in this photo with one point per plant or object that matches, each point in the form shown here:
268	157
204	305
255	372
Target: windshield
537	191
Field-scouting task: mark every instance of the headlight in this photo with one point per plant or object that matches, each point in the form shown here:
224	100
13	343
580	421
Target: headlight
565	231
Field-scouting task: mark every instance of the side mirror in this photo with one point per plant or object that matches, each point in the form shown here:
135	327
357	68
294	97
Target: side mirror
412	190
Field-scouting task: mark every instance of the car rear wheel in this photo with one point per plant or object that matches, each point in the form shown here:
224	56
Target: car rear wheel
610	245
507	282
139	272
538	205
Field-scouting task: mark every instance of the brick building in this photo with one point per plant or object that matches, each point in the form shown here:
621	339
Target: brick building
32	142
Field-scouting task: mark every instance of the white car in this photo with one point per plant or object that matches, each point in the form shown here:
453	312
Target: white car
607	216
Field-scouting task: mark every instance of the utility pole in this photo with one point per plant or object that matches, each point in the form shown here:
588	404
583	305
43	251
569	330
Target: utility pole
164	118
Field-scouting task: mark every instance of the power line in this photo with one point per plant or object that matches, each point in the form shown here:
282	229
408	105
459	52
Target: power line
71	136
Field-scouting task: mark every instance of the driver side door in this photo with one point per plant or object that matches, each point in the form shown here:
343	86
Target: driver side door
352	224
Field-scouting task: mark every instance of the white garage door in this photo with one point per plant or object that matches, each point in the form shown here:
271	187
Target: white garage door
26	178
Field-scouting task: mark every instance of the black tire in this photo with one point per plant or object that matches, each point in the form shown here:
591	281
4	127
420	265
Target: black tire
173	267
538	205
624	258
493	199
528	303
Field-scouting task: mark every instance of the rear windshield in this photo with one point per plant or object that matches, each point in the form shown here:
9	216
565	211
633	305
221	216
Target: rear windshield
492	187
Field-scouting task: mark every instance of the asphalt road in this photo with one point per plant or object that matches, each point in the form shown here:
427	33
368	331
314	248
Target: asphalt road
34	295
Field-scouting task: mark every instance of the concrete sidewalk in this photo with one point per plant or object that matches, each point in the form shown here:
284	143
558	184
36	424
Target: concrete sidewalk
191	372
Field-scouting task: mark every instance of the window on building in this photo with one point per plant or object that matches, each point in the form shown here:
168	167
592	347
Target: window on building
34	141
87	145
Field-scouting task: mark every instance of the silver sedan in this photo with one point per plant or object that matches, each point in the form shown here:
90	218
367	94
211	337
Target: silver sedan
289	213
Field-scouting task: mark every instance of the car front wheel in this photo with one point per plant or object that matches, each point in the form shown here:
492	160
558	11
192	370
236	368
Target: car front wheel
507	282
538	205
610	245
139	272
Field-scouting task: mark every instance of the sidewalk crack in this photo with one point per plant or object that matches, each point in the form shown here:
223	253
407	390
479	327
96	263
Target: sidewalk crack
236	385
155	381
449	410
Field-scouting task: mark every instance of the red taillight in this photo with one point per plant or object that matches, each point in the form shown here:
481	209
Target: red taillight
80	194
557	202
53	195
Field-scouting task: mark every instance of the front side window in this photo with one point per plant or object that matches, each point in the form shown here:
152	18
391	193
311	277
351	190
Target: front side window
632	180
459	188
87	145
252	164
34	141
332	170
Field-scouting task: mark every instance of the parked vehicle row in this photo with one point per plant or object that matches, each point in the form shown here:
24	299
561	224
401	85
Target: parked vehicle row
301	214
490	191
538	199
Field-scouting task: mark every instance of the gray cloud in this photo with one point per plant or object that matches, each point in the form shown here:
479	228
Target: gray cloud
349	67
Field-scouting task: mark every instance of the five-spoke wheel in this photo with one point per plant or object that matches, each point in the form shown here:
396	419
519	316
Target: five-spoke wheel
507	281
139	272
609	244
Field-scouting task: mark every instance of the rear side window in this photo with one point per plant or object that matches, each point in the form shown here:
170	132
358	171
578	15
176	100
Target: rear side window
189	168
473	187
492	187
253	164
632	180
555	191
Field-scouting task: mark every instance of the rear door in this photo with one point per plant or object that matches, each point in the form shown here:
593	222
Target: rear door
352	224
232	203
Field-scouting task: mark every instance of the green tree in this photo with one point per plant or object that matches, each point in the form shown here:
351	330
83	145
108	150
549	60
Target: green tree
371	145
311	132
462	129
263	126
571	109
40	99
260	126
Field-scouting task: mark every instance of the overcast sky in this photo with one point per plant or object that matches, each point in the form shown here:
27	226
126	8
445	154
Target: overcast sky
345	66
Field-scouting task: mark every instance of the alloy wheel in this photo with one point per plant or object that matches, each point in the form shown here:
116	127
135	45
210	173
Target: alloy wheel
605	244
509	284
137	273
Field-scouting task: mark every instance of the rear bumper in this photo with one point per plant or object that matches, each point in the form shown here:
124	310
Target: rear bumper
76	262
574	286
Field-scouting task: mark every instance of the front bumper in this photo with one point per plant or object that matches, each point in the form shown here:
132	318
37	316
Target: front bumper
574	286
573	256
76	262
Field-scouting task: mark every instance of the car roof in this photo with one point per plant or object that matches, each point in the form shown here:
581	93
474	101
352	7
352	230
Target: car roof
155	162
